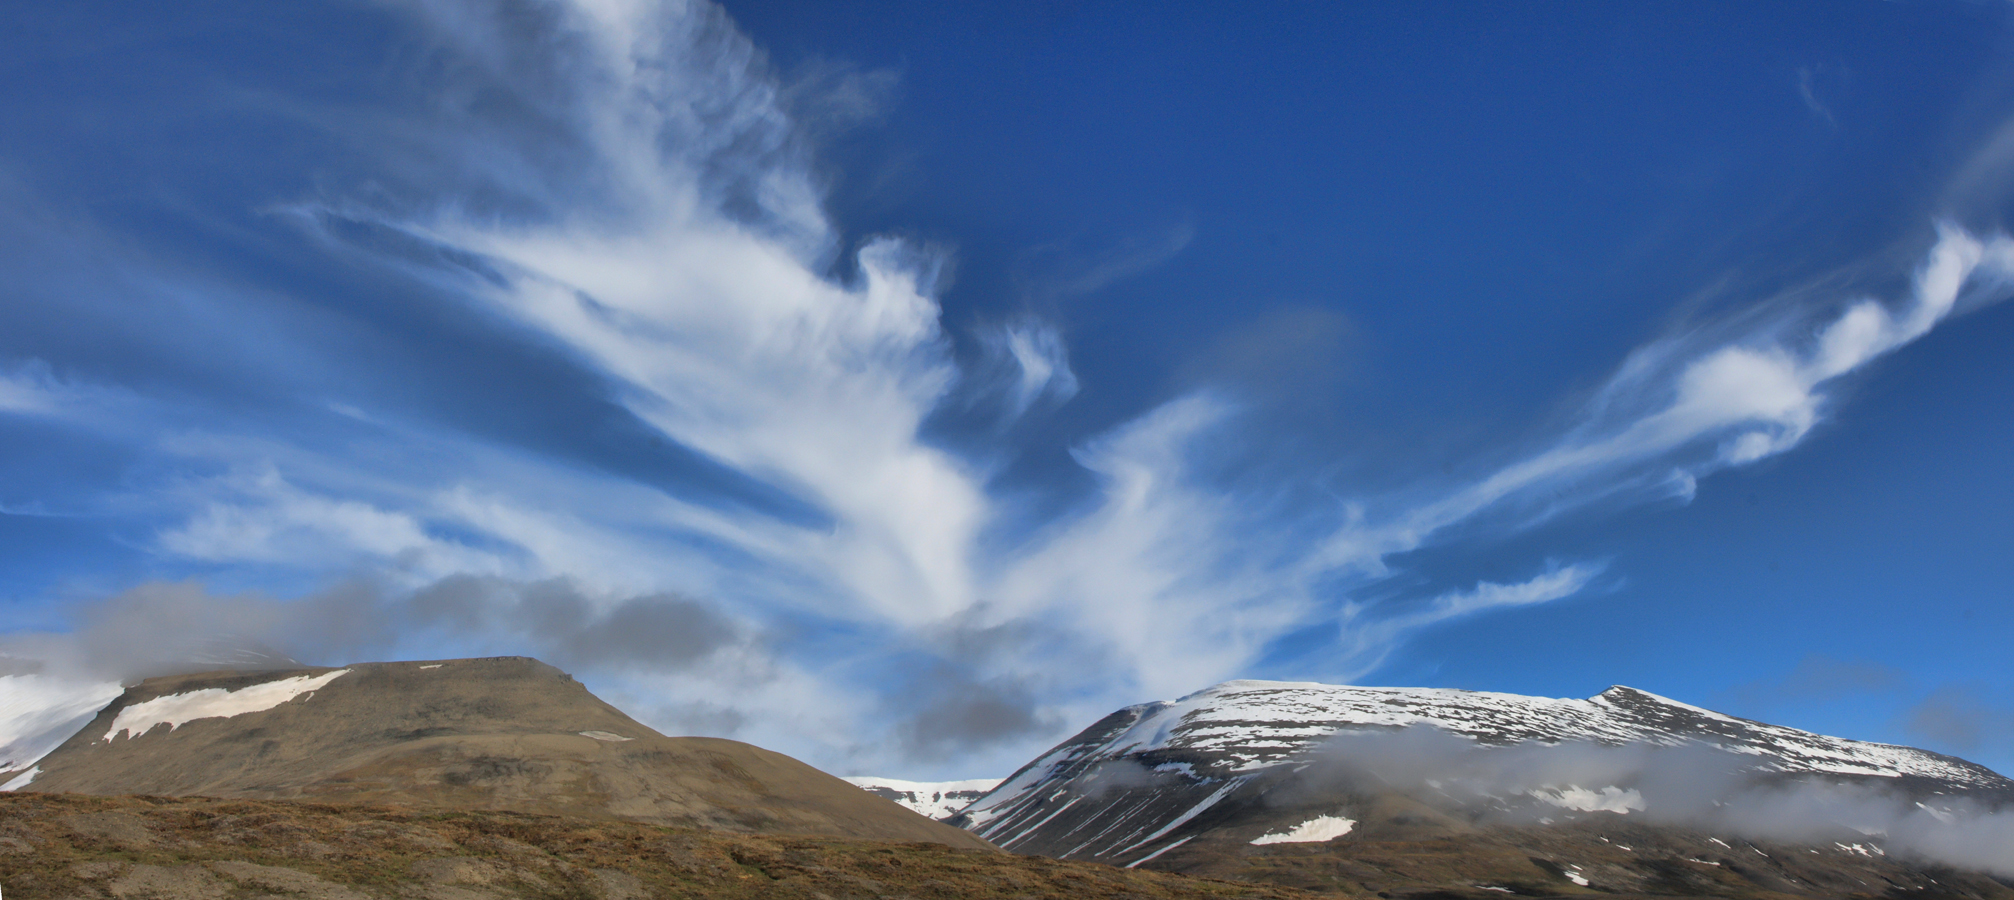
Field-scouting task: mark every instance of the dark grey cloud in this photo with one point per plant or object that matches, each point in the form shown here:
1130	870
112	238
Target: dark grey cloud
1961	717
973	687
649	631
1954	718
159	627
948	712
1818	678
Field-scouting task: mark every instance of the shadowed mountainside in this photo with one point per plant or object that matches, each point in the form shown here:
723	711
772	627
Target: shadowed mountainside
507	733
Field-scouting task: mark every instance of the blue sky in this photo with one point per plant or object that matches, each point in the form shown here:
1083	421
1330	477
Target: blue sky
905	385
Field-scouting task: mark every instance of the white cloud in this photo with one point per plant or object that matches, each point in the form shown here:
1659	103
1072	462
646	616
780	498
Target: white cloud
724	335
23	396
1369	635
31	388
1702	404
273	521
1043	361
1159	574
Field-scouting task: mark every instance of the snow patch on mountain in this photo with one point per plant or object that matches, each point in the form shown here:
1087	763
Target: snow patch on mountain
213	703
1319	828
935	799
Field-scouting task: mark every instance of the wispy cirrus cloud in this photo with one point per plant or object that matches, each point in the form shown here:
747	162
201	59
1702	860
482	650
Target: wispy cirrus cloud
27	393
1034	352
1062	270
31	388
1683	407
1370	634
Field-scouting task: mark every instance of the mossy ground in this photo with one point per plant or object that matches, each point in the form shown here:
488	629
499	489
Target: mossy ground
149	848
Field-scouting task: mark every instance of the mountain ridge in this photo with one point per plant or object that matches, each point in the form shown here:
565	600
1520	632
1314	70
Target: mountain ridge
502	733
1246	763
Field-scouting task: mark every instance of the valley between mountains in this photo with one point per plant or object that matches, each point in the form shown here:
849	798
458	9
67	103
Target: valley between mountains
494	778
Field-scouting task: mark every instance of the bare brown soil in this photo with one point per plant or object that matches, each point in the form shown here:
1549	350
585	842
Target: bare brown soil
63	846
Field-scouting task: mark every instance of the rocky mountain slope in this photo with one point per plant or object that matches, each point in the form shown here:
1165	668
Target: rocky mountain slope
1241	779
939	800
480	734
71	847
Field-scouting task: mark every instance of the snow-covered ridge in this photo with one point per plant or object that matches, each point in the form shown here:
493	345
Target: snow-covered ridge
935	799
213	703
1258	724
1147	777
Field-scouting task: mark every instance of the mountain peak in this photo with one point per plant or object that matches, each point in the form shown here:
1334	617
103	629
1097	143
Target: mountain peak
499	733
1213	748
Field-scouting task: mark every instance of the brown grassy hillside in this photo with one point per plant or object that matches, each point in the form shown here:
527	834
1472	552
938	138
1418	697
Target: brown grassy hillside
506	733
59	847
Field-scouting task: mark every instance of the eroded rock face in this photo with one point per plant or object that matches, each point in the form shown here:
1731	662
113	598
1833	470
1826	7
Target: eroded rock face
503	733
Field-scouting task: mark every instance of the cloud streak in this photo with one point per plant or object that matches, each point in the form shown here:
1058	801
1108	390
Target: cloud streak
1684	407
1369	633
32	389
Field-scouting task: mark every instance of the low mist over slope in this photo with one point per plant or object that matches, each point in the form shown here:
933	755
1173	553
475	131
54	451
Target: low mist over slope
503	733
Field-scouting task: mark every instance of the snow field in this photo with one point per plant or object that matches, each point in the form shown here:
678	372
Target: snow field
1319	828
213	703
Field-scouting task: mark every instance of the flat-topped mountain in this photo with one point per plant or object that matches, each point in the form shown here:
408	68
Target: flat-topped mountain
507	733
1246	776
